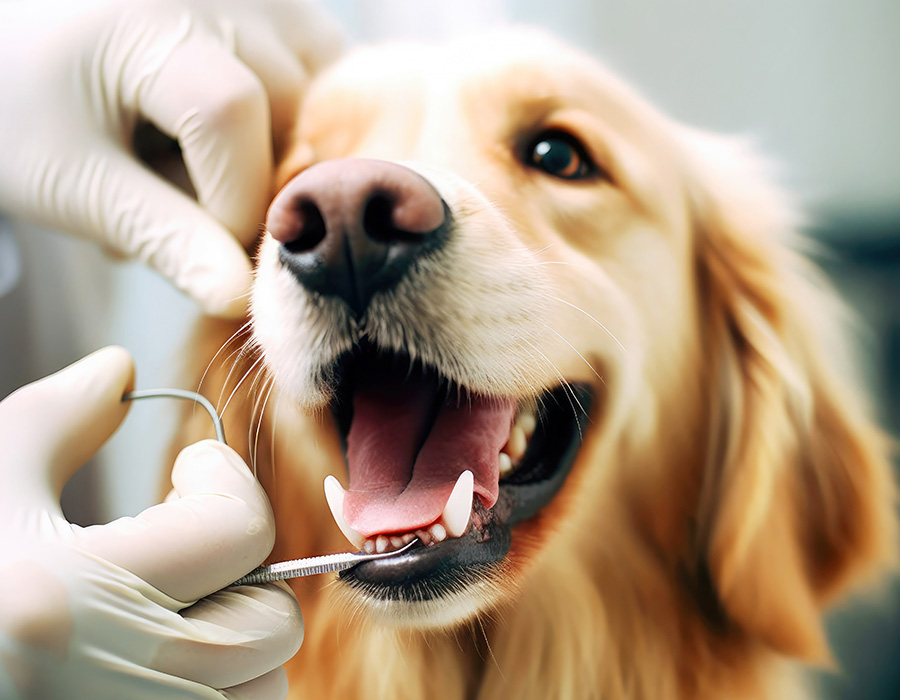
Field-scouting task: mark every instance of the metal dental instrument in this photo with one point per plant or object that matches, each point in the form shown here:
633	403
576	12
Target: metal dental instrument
308	566
181	394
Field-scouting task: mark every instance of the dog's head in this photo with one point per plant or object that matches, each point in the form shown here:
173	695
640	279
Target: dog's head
542	316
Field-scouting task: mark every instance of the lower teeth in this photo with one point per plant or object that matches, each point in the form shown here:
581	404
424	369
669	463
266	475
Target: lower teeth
432	535
389	543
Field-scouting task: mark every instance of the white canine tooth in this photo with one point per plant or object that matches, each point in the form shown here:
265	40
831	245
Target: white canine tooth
515	446
505	464
459	506
334	494
381	544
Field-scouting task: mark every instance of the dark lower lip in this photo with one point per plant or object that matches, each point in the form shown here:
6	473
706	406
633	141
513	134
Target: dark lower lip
424	573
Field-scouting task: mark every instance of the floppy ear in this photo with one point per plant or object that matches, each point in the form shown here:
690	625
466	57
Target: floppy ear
797	500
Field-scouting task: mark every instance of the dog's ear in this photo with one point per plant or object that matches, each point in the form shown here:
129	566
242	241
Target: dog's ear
797	497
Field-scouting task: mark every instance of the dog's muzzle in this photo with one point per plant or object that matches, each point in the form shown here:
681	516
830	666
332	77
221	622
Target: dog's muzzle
350	228
399	316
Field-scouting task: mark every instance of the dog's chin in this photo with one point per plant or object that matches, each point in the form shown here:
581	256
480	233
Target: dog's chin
444	583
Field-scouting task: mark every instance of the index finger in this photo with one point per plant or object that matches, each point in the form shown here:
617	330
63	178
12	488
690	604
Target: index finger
218	111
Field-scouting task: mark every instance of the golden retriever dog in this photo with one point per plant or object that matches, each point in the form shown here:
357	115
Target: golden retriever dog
505	307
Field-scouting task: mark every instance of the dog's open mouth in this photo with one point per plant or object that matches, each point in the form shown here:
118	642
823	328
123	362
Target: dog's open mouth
429	459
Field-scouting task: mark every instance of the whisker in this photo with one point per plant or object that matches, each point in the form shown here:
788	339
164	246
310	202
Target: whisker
262	415
235	358
273	495
531	251
575	350
569	391
237	386
222	347
487	643
563	381
260	379
268	384
608	332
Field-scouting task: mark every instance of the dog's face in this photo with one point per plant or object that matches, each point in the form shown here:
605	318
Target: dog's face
552	184
525	305
495	265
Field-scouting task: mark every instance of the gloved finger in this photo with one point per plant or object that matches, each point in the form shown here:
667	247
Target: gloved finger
271	686
297	40
219	528
309	32
151	220
241	633
50	428
217	109
282	75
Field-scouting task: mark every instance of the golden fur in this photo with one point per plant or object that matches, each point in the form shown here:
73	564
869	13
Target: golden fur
730	484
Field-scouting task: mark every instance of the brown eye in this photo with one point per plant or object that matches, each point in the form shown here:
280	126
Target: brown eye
560	155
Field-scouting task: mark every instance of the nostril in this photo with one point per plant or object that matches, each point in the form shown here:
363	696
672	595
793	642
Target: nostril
378	221
309	228
402	217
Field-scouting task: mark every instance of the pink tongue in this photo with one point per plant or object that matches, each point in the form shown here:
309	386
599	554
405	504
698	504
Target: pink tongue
402	473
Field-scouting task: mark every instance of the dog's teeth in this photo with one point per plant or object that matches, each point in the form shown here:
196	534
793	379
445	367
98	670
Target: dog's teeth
454	521
455	517
515	446
334	494
437	532
527	422
506	466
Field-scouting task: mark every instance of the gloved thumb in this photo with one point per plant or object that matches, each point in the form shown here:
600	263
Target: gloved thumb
218	528
50	428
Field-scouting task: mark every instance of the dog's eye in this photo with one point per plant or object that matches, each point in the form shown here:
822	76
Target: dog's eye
560	155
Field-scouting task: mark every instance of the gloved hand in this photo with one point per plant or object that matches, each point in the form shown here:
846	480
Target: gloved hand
223	77
111	611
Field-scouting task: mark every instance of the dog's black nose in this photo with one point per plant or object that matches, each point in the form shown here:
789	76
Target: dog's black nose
352	227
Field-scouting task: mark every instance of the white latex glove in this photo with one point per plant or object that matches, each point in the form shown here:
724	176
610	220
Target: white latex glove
110	611
223	77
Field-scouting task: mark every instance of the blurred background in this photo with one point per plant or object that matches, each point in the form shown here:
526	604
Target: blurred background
813	82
